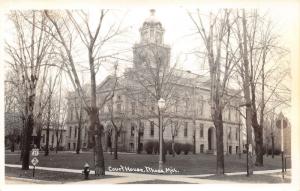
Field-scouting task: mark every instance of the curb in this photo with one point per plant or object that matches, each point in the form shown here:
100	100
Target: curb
25	180
139	174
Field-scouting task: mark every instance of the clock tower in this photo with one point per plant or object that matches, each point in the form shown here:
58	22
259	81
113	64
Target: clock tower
151	52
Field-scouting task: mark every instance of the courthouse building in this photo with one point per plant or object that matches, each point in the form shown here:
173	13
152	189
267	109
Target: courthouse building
187	116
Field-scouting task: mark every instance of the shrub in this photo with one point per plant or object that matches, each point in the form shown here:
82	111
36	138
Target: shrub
60	148
178	148
155	147
149	147
168	147
186	148
276	151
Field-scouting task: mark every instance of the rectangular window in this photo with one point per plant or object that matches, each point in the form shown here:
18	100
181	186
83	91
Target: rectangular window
133	108
132	130
141	129
43	138
52	139
152	128
201	130
201	107
229	134
229	114
75	132
119	107
201	104
185	129
236	134
187	104
70	132
71	114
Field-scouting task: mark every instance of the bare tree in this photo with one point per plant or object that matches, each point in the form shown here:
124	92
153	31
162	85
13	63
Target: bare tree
174	131
220	54
262	58
94	43
28	55
59	116
117	119
155	79
79	113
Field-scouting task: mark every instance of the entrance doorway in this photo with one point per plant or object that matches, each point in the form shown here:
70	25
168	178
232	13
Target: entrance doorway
211	138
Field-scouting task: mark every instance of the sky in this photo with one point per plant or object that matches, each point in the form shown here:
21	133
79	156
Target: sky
179	33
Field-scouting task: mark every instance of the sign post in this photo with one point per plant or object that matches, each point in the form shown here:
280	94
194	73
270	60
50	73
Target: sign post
281	122
34	161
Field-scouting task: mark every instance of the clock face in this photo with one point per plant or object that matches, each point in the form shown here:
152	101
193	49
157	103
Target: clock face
158	37
145	36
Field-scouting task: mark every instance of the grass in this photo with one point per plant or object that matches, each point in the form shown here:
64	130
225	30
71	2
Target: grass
186	164
58	177
157	182
256	178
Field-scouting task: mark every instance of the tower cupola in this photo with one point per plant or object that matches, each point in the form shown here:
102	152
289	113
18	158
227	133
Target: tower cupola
152	30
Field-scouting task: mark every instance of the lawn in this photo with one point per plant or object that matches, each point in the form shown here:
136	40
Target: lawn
185	164
58	177
256	178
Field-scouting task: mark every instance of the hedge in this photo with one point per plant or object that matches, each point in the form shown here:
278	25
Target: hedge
152	147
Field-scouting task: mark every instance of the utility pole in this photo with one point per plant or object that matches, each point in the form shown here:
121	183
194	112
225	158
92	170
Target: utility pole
281	118
240	155
194	120
272	133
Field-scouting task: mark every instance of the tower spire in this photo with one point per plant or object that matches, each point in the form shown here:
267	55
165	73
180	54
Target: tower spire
152	12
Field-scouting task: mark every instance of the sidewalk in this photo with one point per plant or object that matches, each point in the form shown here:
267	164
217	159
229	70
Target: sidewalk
135	177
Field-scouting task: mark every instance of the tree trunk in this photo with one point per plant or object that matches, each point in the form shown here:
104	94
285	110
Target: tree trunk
173	145
98	153
258	142
48	122
29	123
272	145
57	143
38	138
194	143
219	141
258	134
78	139
138	150
246	88
12	143
164	150
47	131
116	145
22	138
94	120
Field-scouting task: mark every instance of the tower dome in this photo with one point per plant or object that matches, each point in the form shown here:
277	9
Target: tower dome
152	30
152	19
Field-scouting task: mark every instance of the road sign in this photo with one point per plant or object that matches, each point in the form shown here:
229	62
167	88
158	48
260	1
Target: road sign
35	152
34	161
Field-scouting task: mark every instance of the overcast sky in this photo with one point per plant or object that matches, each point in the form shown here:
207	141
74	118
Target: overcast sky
179	29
